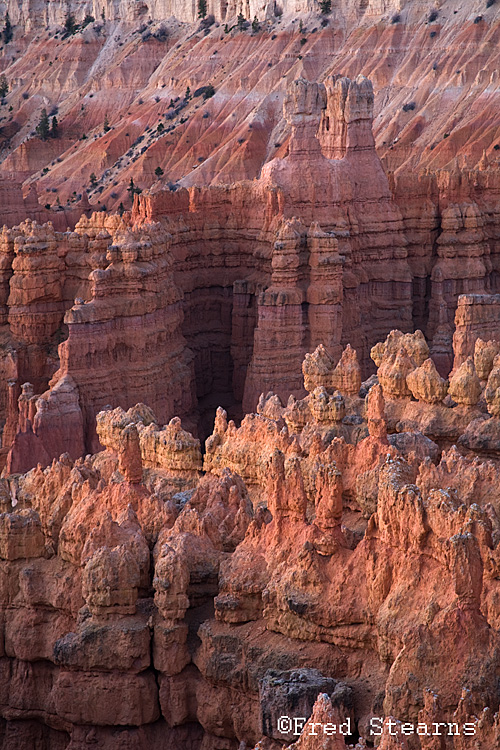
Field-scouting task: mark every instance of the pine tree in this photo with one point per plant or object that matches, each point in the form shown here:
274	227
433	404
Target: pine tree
159	172
202	8
326	6
106	124
301	27
4	86
7	29
255	25
131	188
42	128
187	95
103	15
70	24
93	179
54	129
241	21
160	128
226	29
121	209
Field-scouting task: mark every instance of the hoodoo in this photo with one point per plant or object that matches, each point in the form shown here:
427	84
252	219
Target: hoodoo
249	375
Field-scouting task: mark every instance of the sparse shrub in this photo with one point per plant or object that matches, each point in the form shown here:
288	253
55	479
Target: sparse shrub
161	34
446	135
88	19
206	91
209	92
396	18
433	34
159	172
47	206
26	95
478	19
489	3
433	15
278	11
303	41
497	147
157	99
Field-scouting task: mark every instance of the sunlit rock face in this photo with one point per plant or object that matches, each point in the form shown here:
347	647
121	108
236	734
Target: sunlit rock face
288	543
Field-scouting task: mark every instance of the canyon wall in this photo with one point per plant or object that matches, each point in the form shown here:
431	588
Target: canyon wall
34	13
214	295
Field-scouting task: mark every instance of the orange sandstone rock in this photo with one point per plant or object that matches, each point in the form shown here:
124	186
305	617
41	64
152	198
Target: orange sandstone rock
426	384
465	387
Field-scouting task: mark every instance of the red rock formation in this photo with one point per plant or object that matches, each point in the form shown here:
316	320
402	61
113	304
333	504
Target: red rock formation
330	536
476	317
132	322
462	237
319	574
